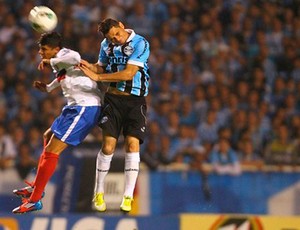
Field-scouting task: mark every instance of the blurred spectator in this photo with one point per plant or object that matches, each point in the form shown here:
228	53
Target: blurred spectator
149	155
200	103
139	20
255	132
185	143
18	133
154	155
163	108
222	114
157	11
186	82
175	100
224	159
290	103
238	125
8	156
9	28
190	150
80	15
248	156
116	9
173	124
187	114
154	131
25	162
208	130
225	132
280	150
3	99
294	123
8	152
35	142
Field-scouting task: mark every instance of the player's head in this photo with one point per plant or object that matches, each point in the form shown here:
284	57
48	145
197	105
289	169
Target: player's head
50	43
114	31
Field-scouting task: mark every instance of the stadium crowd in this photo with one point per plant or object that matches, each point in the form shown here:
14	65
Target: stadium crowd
225	78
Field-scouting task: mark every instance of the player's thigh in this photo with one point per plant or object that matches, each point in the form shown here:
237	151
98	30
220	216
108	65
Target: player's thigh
135	123
55	145
111	118
74	123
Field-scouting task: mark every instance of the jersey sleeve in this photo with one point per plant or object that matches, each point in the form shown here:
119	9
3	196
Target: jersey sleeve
65	59
52	85
140	54
102	58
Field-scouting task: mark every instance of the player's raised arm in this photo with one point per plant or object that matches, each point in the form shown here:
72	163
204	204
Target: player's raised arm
123	75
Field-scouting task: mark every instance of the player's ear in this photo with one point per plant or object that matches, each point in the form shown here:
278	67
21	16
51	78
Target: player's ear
57	49
121	25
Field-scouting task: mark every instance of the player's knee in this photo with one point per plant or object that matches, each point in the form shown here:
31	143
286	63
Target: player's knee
47	134
132	144
132	147
108	149
45	137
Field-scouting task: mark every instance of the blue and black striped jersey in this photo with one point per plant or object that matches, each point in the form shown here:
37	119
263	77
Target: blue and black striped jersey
135	51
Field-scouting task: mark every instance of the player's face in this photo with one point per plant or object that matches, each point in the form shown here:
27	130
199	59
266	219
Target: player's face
117	35
47	52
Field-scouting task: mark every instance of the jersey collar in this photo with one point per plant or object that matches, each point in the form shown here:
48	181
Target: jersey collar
132	34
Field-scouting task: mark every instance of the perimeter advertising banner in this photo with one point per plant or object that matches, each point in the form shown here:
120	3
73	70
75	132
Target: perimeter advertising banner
87	222
168	222
238	222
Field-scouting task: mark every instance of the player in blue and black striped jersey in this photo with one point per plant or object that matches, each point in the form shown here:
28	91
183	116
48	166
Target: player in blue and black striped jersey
123	61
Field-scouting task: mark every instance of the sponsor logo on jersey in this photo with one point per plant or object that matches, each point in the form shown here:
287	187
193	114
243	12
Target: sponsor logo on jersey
118	60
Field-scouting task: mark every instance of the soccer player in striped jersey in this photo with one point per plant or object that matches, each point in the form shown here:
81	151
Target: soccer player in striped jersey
123	61
76	120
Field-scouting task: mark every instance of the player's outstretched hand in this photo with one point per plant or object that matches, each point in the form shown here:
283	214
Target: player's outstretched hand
42	64
84	68
40	86
85	63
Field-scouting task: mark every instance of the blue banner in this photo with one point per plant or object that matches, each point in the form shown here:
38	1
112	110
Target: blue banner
183	192
67	182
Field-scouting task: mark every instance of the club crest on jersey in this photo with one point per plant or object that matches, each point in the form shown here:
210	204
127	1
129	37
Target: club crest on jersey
104	119
128	50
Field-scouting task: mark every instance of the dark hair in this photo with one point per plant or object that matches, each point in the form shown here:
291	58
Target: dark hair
105	25
52	39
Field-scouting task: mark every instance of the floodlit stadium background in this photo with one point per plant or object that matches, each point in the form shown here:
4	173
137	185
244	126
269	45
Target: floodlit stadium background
234	62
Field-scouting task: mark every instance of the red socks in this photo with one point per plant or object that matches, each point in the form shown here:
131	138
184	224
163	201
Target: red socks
38	167
40	160
46	168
